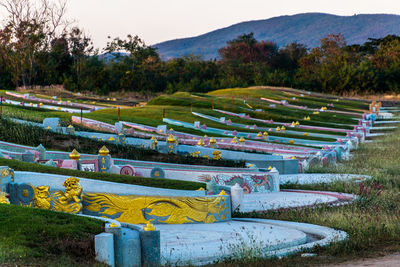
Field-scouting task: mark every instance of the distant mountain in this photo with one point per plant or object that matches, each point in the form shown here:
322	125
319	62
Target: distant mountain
306	28
112	56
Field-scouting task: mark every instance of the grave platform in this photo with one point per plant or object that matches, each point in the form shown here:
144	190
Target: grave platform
199	244
317	178
290	199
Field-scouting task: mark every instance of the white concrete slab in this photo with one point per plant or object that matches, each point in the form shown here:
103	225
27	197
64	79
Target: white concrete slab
278	200
198	244
386	122
383	128
371	135
315	178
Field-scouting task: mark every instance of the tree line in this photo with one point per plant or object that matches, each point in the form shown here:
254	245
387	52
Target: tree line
38	47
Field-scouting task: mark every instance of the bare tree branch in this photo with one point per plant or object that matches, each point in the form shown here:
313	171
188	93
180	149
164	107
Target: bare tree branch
30	28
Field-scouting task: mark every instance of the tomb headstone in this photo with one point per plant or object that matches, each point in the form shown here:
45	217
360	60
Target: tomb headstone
70	129
104	160
121	139
28	156
119	126
53	123
42	152
236	196
162	128
172	144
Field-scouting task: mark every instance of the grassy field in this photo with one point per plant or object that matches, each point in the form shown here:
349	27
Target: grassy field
35	237
34	114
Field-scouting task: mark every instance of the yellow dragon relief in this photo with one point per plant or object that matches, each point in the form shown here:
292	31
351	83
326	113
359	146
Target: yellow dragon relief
170	210
70	201
5	172
4	198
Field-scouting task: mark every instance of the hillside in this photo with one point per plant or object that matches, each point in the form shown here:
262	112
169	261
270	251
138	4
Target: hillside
306	28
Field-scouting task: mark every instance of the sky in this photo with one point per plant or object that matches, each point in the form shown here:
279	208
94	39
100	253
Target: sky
156	21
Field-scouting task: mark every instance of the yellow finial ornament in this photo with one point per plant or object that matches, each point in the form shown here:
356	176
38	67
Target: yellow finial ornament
104	151
149	227
200	142
74	155
171	139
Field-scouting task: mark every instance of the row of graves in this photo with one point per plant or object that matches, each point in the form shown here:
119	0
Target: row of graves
55	103
260	154
153	226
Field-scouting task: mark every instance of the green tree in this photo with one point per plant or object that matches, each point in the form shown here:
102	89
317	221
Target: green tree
29	29
80	48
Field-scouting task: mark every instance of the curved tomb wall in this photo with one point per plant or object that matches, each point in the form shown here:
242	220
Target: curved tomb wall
128	208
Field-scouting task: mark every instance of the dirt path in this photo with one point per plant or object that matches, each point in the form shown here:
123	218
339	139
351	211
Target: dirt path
392	260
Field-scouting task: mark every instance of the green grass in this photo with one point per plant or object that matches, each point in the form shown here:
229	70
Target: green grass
35	114
35	237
